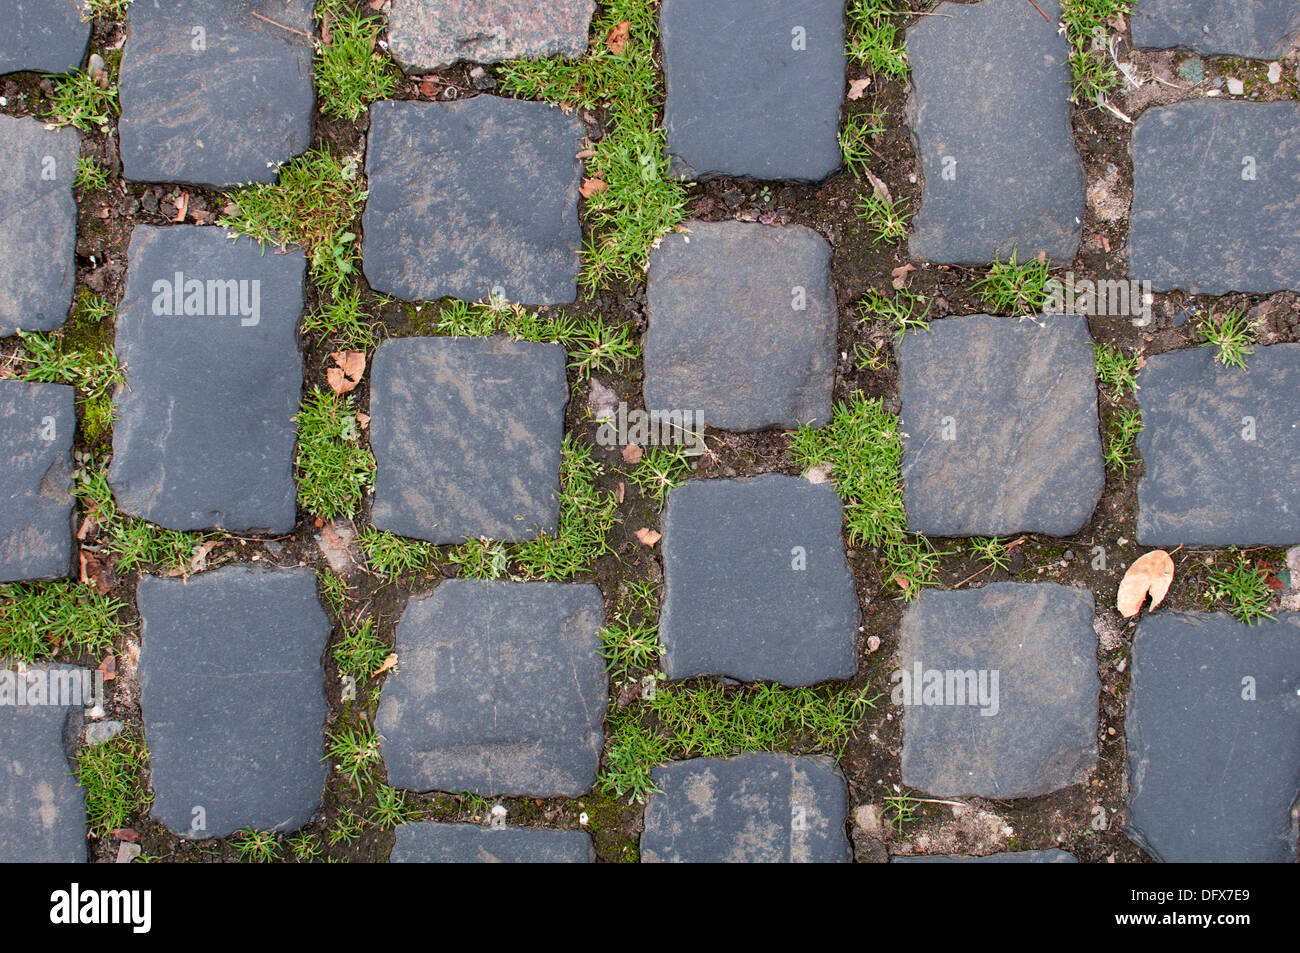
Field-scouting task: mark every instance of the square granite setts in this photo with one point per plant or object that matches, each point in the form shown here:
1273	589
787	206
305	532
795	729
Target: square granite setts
999	421
431	34
1223	216
467	434
472	200
42	810
1258	29
500	689
1213	733
45	36
38	241
206	331
999	690
436	843
1220	446
742	326
757	586
991	120
233	695
37	423
754	87
215	92
757	808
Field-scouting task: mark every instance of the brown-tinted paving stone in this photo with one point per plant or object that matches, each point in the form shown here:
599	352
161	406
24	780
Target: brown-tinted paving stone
757	586
754	87
999	690
742	326
215	92
991	119
999	421
1216	197
206	332
430	34
756	808
473	199
42	810
233	696
501	689
38	224
1213	734
1220	448
37	423
467	435
431	843
46	36
1258	29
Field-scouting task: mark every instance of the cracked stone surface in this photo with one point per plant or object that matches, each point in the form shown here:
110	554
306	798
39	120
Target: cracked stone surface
991	120
1261	29
742	330
204	436
435	843
501	689
757	586
214	92
38	242
1223	215
430	34
467	434
1210	426
1036	731
1213	734
473	199
763	102
233	696
42	810
999	422
44	36
756	808
37	424
1053	856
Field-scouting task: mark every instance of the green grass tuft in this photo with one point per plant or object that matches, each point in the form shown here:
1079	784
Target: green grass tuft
1115	371
361	651
660	469
1087	32
355	752
1243	590
1119	451
256	847
906	311
886	219
344	321
333	469
874	39
110	773
1233	334
351	71
393	556
855	140
38	620
78	100
91	176
630	640
1012	288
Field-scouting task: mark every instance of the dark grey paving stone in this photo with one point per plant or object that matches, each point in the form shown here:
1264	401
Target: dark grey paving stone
757	584
1216	197
430	34
1030	732
467	434
1213	734
225	114
473	199
205	436
475	844
743	320
1206	483
500	689
42	810
757	808
1053	856
1261	29
37	423
233	695
45	36
991	121
999	421
39	235
741	99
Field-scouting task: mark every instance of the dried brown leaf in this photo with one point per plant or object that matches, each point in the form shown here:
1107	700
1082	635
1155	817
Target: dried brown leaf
1151	573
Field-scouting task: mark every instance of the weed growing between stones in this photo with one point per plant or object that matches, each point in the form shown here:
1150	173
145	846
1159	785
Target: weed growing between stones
906	311
38	620
660	469
351	73
81	100
332	468
873	38
342	321
361	651
1013	288
1115	371
110	773
864	452
991	550
855	140
639	203
333	590
391	808
91	176
257	847
886	218
105	10
393	556
1242	589
354	752
1088	29
631	637
1120	440
137	543
1233	334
